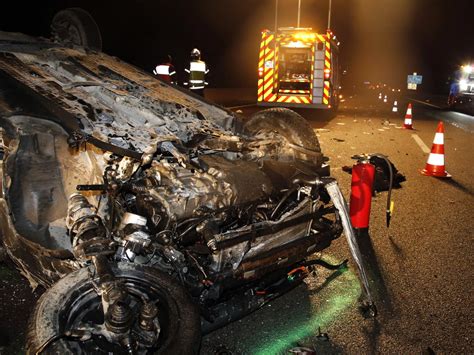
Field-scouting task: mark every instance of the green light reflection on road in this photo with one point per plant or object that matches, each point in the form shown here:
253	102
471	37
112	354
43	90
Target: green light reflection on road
341	295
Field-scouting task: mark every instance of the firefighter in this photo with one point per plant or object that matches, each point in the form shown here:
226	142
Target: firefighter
166	71
196	73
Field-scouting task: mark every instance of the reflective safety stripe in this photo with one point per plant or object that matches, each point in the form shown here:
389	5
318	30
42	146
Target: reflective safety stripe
436	159
198	66
173	73
196	81
162	70
186	70
439	138
408	121
196	87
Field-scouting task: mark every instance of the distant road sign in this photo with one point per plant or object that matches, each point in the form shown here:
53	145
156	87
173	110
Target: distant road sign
411	86
415	79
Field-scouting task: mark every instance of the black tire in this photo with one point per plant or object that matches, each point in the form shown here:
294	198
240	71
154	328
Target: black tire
290	125
180	335
76	26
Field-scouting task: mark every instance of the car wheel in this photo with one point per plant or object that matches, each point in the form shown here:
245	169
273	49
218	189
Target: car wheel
290	125
73	303
76	26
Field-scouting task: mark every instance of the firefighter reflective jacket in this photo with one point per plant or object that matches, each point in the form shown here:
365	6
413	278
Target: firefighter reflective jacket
165	72
197	75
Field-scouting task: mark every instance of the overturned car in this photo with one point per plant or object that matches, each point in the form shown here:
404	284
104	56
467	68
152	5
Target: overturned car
149	215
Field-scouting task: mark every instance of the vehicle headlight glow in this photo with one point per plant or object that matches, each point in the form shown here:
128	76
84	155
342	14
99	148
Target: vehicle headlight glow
463	85
467	69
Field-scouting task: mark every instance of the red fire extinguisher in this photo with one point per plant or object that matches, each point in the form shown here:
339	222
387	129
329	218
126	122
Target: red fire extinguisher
363	175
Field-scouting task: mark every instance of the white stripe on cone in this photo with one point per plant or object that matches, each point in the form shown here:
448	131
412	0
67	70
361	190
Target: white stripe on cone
436	159
408	121
439	138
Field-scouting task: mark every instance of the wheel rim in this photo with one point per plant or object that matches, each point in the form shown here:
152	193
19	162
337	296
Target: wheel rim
84	308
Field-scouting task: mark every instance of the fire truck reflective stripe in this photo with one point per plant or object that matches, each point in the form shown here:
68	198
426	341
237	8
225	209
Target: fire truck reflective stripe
197	87
260	90
436	159
262	52
268	40
277	63
271	98
186	70
173	73
268	79
294	99
267	91
294	91
269	72
439	138
196	81
162	70
326	93
269	55
327	68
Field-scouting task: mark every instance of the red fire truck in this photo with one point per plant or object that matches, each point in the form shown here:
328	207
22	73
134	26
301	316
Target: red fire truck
298	68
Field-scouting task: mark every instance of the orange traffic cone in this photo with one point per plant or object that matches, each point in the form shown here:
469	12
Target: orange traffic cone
408	124
395	108
435	163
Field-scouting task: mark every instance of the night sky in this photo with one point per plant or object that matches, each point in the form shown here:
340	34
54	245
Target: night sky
381	40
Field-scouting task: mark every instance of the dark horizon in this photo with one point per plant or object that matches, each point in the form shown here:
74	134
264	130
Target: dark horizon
381	40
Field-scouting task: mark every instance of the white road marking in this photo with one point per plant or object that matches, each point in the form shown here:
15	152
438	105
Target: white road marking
426	103
420	143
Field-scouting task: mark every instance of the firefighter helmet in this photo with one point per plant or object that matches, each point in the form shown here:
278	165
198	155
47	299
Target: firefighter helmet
196	54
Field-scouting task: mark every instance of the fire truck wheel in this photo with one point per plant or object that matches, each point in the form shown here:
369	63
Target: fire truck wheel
290	125
75	26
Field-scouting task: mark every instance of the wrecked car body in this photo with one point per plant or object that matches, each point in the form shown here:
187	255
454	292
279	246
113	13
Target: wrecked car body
149	214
